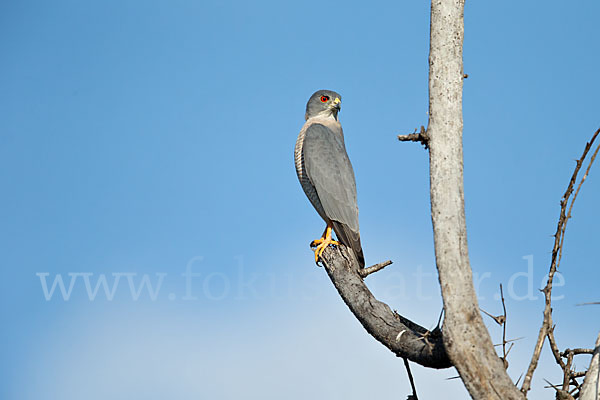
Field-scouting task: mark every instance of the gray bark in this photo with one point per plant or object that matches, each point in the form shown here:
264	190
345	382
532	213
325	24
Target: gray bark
467	340
591	384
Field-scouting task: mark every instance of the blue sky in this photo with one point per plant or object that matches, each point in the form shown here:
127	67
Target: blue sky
154	139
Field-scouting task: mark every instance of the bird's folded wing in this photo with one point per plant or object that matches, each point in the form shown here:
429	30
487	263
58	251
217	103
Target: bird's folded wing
328	167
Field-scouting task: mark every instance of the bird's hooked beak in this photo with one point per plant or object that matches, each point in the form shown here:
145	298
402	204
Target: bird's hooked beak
337	104
335	107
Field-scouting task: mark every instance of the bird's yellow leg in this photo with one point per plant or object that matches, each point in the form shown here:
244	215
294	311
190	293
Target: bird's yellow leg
322	243
317	242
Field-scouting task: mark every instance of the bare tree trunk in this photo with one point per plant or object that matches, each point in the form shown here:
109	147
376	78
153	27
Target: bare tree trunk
591	385
467	340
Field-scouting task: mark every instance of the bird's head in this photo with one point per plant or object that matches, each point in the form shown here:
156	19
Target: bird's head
324	103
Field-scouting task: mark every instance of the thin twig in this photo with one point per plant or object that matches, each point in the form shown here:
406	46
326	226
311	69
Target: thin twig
518	380
567	372
510	340
374	268
554	347
412	381
503	330
577	351
509	349
546	329
576	384
576	389
579	374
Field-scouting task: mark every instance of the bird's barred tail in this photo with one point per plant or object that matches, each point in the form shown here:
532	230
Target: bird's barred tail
350	239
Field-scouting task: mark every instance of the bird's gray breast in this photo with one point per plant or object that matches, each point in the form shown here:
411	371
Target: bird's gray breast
307	186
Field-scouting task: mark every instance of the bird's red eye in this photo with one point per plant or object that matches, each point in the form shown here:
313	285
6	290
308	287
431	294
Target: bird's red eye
324	99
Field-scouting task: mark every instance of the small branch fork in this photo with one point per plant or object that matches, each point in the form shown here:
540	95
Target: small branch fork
571	388
547	328
421	137
501	320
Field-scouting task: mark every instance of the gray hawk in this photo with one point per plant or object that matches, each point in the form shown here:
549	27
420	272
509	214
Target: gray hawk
326	174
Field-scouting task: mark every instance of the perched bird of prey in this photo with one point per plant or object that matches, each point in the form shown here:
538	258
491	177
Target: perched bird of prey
326	175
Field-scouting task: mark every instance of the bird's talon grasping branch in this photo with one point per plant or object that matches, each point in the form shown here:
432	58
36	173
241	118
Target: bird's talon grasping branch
317	242
322	243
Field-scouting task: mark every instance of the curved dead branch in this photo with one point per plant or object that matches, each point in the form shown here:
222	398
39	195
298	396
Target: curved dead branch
402	336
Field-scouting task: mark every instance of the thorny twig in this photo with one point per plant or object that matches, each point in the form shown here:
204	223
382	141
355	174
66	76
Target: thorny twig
501	320
510	340
547	328
504	360
560	394
569	374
